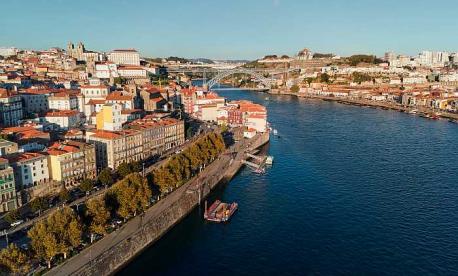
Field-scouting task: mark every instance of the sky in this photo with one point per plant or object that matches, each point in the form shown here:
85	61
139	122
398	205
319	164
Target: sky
233	29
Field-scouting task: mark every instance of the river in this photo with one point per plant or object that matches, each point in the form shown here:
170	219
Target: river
352	191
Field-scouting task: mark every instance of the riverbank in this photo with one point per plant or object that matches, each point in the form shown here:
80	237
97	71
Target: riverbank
375	104
116	249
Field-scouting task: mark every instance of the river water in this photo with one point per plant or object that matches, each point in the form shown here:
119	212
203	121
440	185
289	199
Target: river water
353	191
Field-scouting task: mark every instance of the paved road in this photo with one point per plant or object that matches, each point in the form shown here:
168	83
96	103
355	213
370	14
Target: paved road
109	241
79	201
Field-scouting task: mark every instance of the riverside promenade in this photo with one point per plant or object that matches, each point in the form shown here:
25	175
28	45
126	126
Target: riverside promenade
377	104
116	249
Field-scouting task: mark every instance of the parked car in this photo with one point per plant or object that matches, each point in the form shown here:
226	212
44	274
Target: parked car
16	223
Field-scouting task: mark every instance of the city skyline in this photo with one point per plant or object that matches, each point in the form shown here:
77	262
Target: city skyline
228	31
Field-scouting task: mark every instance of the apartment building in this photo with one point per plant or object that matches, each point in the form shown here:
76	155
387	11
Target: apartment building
71	161
159	135
30	169
115	147
125	56
10	108
9	199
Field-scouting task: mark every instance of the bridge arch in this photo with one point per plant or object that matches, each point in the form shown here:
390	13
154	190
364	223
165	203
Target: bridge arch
225	73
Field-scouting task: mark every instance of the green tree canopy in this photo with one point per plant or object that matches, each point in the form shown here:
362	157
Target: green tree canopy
14	260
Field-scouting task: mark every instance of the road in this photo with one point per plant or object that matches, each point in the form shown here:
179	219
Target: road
79	201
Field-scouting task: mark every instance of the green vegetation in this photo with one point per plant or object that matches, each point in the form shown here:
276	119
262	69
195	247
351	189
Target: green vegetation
64	195
106	177
58	234
294	88
12	216
356	59
97	215
86	185
320	55
183	166
359	77
61	232
13	261
39	204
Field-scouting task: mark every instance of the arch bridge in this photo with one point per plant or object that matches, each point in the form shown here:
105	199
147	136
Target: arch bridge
258	76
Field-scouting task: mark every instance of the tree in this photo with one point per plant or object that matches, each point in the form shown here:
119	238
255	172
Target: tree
86	185
43	242
294	88
66	228
98	214
324	78
106	177
14	260
12	216
39	204
64	195
124	169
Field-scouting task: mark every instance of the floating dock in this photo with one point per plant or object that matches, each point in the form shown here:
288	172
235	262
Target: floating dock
220	211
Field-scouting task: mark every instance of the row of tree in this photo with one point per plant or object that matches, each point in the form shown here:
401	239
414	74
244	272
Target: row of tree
183	166
62	231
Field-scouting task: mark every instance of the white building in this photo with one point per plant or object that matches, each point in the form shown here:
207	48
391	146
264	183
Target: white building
131	71
94	92
30	168
125	56
106	70
63	101
8	51
35	101
63	119
10	108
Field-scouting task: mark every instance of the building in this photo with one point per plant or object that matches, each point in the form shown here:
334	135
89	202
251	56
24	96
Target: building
94	92
115	147
29	137
76	53
71	161
8	51
10	108
159	135
9	199
31	171
152	99
63	119
7	147
35	101
131	71
63	101
125	99
109	118
125	57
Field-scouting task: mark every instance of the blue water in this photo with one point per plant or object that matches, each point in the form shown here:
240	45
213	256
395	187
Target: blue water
353	191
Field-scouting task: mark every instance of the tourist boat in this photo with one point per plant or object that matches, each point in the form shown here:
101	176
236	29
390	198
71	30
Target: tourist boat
413	111
275	132
269	160
259	171
220	211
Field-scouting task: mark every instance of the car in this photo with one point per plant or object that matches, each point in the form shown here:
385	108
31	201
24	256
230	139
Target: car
16	223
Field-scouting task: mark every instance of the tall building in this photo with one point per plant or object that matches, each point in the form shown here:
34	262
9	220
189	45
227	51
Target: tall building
9	199
71	161
109	118
10	108
125	56
77	52
115	147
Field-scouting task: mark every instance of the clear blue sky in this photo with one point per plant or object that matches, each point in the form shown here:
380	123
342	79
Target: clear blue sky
245	29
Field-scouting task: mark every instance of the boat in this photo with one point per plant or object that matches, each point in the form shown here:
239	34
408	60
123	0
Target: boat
220	211
413	111
275	132
259	171
269	160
